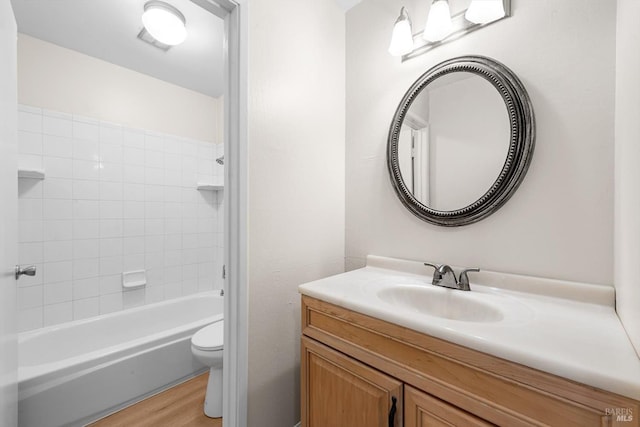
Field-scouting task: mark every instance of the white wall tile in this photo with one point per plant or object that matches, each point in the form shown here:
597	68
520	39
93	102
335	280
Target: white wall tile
86	248
85	190
111	134
85	308
58	167
111	247
58	271
111	153
55	314
30	188
133	298
154	193
110	303
87	130
173	290
61	250
57	124
57	209
86	169
86	228
86	268
111	284
55	293
86	150
154	159
133	192
110	265
86	209
111	172
153	142
173	225
86	288
133	174
111	191
29	142
57	146
133	245
30	231
30	297
30	161
154	294
30	253
154	176
111	209
30	122
133	227
111	228
133	138
154	226
133	262
38	279
29	319
57	229
133	210
57	188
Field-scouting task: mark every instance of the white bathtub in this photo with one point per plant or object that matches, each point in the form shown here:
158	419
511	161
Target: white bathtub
77	372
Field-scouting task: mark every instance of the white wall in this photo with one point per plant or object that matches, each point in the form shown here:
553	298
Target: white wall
296	186
559	223
64	80
627	156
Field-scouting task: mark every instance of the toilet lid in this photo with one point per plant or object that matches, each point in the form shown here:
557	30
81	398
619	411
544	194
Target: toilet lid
210	337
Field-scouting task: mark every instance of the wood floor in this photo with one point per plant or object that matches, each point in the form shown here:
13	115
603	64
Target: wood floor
177	407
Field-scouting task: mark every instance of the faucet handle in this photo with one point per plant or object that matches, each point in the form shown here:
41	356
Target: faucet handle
463	282
436	274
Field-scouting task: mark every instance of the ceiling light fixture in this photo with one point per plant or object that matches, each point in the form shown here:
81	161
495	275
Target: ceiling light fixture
402	37
484	11
164	22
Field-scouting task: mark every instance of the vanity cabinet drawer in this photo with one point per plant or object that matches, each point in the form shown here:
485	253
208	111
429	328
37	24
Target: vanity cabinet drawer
492	389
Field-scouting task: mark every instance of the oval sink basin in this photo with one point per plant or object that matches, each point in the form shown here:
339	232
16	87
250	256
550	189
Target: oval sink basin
440	302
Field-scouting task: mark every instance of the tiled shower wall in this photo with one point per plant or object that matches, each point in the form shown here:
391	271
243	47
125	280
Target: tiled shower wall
114	199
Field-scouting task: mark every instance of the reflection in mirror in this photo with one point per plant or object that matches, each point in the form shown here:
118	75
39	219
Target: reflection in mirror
454	141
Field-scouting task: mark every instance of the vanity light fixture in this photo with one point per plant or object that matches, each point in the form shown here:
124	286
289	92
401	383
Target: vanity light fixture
164	22
484	11
439	24
442	27
402	37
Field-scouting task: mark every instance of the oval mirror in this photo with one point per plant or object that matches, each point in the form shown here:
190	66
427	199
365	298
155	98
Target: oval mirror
460	141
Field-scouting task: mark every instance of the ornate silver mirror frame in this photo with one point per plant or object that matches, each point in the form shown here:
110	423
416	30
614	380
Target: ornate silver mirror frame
517	159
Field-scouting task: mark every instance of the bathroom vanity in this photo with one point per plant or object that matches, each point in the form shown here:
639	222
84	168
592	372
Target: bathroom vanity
374	353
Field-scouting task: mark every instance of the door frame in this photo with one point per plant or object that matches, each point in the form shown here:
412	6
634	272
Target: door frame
235	353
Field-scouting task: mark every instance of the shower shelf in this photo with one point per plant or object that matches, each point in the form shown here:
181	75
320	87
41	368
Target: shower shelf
205	186
31	173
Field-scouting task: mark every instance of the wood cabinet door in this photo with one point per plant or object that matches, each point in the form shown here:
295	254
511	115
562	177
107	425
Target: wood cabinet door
338	391
424	410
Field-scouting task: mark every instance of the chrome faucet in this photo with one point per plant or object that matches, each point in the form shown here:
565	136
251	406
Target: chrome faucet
445	276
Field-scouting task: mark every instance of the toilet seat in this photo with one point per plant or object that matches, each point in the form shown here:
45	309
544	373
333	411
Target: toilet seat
209	338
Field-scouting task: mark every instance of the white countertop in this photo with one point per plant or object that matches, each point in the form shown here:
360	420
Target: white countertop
563	328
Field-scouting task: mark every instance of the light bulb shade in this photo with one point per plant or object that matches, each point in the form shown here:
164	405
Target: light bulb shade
484	11
402	36
164	22
439	23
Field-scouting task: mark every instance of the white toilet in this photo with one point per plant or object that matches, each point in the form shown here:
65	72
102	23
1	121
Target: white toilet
206	345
